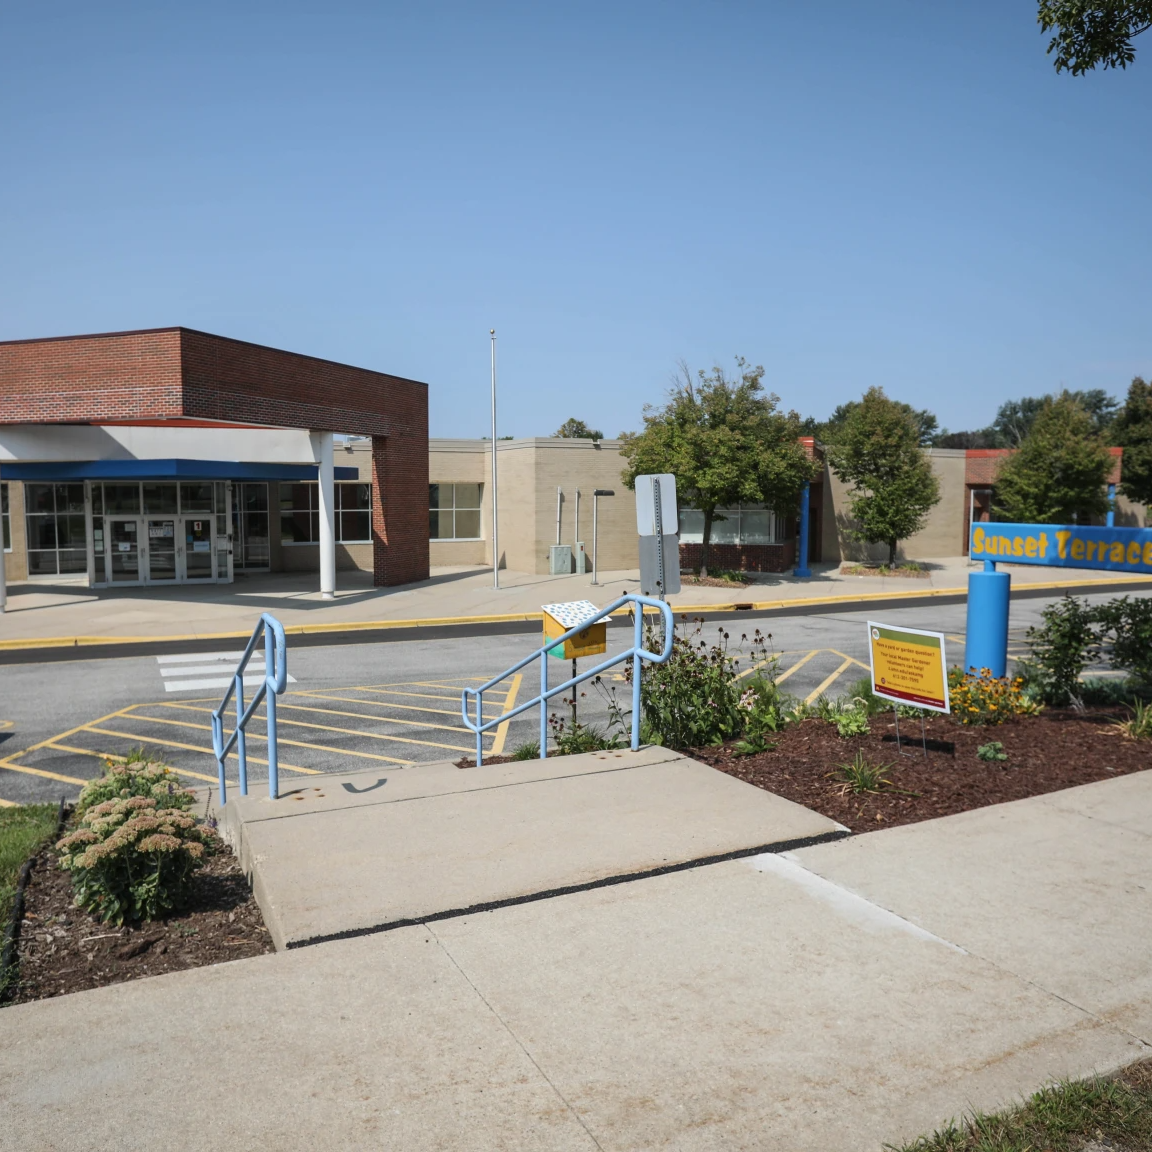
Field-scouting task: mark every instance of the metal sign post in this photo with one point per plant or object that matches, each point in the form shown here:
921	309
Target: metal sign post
596	494
657	522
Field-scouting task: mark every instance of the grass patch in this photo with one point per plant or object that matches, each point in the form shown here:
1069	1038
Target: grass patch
1062	1118
22	831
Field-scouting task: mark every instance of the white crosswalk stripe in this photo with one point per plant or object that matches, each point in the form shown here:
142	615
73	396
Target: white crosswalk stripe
217	674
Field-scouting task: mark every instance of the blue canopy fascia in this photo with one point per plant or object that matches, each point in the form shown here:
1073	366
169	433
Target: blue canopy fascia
73	470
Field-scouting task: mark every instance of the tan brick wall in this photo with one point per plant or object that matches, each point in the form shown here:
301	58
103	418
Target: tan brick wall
16	561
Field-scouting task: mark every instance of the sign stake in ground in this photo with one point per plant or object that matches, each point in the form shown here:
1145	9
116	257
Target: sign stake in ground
908	666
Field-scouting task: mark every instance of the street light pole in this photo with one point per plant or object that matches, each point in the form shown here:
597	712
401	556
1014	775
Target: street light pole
596	494
495	504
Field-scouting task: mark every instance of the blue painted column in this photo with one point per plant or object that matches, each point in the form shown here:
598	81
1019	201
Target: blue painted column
987	628
1111	521
802	568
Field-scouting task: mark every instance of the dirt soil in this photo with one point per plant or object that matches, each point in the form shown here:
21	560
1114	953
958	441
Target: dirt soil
1048	752
64	949
710	582
883	570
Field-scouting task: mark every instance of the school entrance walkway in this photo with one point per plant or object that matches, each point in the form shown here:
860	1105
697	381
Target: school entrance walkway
830	999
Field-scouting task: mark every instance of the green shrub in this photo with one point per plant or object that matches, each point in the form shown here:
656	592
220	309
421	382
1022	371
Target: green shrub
694	698
573	738
1139	725
137	775
993	750
852	722
1128	625
132	860
861	691
1064	645
765	710
529	750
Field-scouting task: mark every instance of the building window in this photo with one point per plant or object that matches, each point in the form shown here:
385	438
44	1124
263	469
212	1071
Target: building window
4	517
454	511
744	524
57	539
300	513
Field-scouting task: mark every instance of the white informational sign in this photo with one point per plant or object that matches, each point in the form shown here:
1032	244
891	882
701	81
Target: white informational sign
646	505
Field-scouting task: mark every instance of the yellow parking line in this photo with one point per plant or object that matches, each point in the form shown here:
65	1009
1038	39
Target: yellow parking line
41	772
205	751
111	756
378	719
509	704
818	692
850	659
369	735
497	708
797	666
71	732
414	695
8	804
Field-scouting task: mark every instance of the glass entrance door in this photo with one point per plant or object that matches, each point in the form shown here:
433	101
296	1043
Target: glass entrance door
198	548
250	526
161	551
123	552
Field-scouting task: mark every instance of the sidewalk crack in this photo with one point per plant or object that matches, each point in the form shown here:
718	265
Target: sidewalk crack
515	1039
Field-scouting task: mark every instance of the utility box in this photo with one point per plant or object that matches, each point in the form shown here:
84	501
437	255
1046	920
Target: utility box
581	558
560	560
561	618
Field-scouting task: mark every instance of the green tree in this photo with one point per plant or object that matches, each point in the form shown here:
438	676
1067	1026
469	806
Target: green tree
1059	472
927	426
726	442
1091	32
573	429
1132	430
877	452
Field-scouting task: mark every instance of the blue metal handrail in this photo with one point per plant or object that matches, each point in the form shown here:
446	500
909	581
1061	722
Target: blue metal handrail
275	681
636	653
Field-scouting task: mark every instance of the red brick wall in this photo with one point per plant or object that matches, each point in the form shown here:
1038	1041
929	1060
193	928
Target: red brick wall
86	379
400	511
741	557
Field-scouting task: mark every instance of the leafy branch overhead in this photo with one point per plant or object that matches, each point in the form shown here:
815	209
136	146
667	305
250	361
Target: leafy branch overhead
1093	32
726	442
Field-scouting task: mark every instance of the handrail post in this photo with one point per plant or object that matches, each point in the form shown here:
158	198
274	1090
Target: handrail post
543	705
270	708
217	747
637	644
241	734
480	722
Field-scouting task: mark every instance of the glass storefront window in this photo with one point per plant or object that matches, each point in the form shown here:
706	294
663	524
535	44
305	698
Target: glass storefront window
54	523
195	498
744	524
300	513
159	499
7	528
122	499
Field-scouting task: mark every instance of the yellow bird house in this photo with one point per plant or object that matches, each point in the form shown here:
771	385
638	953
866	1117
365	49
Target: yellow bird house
561	618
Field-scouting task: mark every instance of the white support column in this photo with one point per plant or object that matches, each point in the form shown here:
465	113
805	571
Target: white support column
323	441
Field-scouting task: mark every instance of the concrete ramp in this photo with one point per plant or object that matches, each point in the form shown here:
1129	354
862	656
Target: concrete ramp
359	853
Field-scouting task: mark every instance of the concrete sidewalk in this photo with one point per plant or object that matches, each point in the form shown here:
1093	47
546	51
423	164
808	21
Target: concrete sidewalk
830	999
70	614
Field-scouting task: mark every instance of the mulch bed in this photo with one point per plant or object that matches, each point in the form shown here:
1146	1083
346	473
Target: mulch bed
64	949
711	582
1054	750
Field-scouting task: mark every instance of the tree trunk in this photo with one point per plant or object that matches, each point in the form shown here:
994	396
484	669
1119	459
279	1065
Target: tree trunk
892	553
707	540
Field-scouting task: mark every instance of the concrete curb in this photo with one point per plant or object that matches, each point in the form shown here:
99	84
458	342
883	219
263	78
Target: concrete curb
95	647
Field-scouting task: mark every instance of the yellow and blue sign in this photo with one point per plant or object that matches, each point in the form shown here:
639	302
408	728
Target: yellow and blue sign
1064	546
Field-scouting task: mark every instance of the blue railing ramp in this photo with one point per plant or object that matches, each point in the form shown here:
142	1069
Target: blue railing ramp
274	682
636	653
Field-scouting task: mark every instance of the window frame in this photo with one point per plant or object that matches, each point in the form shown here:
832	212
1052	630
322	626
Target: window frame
776	524
5	518
313	511
454	509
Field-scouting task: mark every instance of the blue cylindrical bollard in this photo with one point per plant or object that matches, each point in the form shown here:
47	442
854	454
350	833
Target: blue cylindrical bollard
987	639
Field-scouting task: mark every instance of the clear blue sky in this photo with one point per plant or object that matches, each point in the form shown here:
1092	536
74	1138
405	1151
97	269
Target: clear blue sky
898	193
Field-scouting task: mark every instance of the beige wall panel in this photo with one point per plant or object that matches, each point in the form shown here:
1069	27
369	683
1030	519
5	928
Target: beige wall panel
306	558
942	535
1130	514
16	561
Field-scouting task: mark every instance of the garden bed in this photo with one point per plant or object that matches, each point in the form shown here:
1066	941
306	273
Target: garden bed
64	949
712	582
903	572
1054	750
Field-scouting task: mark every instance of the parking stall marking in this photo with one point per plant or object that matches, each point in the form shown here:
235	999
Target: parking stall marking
219	672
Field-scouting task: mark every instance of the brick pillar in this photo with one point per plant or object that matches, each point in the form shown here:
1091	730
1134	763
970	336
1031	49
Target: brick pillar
399	510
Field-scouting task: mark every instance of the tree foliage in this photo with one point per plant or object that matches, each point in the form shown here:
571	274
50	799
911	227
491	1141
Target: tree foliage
1133	432
1059	474
877	452
573	429
726	442
928	427
1093	32
1014	420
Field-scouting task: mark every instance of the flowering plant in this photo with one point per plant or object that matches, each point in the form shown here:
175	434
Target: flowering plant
136	776
988	699
132	860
